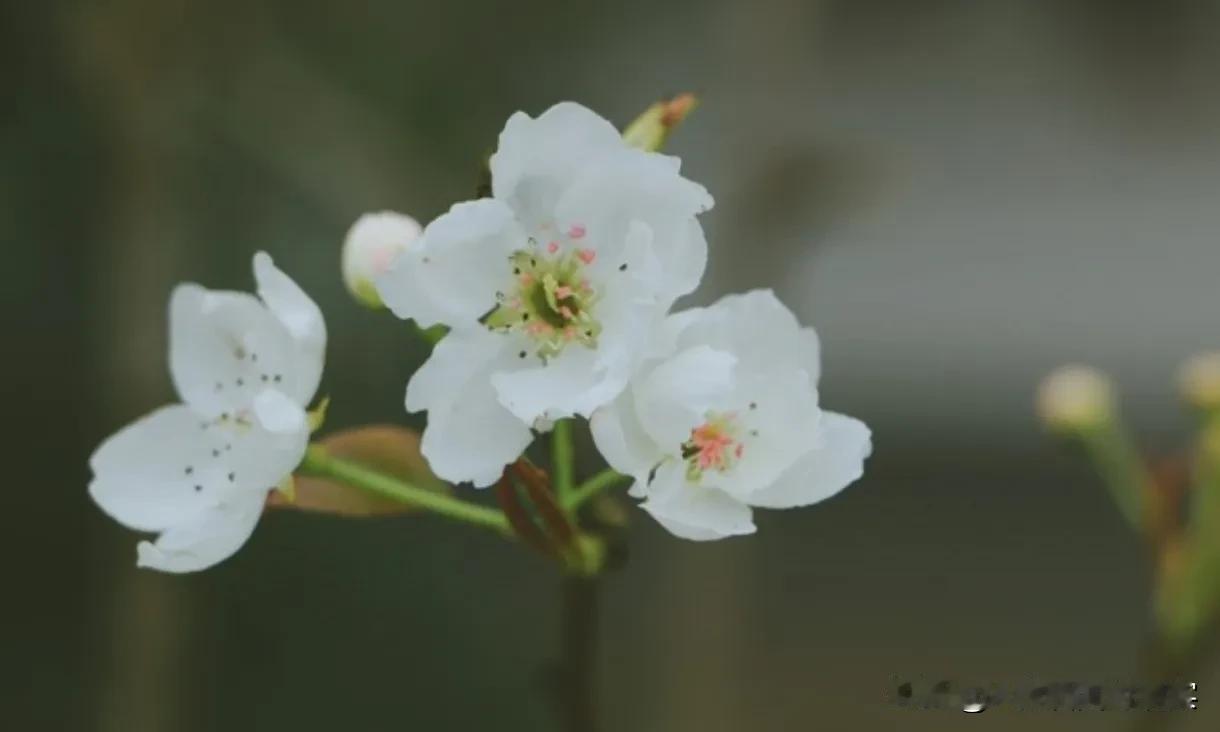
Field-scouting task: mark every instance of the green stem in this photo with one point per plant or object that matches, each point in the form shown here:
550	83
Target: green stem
562	458
323	465
1117	460
591	488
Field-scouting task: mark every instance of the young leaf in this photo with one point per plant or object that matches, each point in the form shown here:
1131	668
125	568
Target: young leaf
388	449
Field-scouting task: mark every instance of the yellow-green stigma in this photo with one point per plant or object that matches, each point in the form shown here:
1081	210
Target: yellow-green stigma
552	301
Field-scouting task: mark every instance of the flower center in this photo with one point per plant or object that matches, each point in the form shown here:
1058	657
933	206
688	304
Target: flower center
551	301
713	445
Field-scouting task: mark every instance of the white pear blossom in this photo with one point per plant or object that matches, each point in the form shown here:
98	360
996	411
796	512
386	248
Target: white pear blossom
198	473
369	249
723	416
550	288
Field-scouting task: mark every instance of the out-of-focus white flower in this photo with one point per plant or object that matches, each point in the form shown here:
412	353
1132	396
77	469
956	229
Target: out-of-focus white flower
1074	398
551	288
198	473
1199	380
724	417
369	249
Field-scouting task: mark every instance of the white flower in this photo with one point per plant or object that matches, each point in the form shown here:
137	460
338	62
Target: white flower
370	248
725	416
550	288
199	472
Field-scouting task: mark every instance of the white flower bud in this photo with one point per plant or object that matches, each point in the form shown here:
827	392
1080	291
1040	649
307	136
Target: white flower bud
1199	381
1075	398
370	248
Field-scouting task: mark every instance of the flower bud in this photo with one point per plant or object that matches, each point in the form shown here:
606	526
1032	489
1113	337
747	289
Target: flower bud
370	248
650	130
1199	381
1075	399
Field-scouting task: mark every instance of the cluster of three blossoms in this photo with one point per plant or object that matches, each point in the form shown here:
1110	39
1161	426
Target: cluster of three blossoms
556	293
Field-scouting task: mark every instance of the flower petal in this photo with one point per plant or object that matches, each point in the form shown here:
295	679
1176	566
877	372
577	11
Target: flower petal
621	440
145	475
838	462
470	436
207	539
303	319
537	159
452	273
675	396
754	325
630	189
225	347
171	465
809	353
575	382
698	513
277	413
777	409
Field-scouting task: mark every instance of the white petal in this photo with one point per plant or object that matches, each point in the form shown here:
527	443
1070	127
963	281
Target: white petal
809	353
575	382
621	440
780	427
225	347
452	273
470	436
675	396
260	458
277	413
621	192
698	513
144	476
303	319
170	466
684	260
538	158
754	325
209	538
823	472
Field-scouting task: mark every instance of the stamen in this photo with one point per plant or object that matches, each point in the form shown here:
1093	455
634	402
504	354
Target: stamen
552	301
713	445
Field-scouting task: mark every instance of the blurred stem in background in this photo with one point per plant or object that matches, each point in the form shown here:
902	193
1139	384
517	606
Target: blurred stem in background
1183	536
1078	403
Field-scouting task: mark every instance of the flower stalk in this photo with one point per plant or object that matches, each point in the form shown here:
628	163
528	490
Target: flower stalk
591	487
563	457
318	462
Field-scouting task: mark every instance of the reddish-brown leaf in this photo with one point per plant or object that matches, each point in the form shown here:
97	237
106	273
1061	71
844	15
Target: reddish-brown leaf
388	449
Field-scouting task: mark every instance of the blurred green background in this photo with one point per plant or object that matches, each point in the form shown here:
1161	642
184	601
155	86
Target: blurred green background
959	195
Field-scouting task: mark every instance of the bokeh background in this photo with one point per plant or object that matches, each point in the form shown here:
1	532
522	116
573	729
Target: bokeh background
959	195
